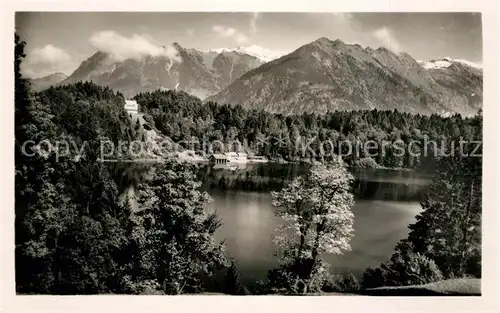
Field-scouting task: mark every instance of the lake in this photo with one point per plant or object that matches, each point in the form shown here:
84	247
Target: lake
386	202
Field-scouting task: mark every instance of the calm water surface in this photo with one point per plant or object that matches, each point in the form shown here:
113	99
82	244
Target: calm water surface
386	202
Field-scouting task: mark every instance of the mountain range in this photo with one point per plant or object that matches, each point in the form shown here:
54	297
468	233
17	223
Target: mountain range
38	84
201	73
319	76
331	75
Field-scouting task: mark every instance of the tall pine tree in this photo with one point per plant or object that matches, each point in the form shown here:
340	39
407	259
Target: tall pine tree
232	282
449	228
173	232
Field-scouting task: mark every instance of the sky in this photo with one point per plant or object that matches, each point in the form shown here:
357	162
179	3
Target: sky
60	41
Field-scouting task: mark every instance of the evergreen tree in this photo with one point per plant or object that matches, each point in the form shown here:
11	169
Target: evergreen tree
232	283
445	241
173	232
449	228
69	224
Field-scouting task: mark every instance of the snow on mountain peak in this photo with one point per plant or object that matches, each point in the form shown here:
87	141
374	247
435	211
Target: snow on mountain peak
469	63
434	64
446	62
259	52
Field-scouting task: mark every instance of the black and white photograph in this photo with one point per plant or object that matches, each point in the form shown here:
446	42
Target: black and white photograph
248	153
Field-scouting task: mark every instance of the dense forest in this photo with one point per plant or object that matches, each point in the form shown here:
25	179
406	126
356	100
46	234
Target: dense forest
76	233
307	137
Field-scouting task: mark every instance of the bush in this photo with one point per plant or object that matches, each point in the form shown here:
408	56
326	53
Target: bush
260	287
148	118
348	283
405	267
372	278
342	284
144	287
232	284
367	162
295	278
409	268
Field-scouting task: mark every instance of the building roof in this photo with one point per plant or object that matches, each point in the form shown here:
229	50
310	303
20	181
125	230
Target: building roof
227	155
235	153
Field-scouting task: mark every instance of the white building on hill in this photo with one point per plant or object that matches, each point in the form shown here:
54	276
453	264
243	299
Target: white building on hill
131	107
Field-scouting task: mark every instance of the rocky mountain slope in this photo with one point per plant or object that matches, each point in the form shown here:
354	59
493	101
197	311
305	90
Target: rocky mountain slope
231	65
198	73
331	75
463	81
38	84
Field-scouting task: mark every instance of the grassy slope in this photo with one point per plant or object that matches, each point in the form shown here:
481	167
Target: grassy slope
450	287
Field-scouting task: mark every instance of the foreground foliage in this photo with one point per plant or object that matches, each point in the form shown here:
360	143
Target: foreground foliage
232	283
445	241
172	234
74	232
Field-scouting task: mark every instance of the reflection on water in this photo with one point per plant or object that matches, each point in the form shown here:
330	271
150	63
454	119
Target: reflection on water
248	222
378	225
386	202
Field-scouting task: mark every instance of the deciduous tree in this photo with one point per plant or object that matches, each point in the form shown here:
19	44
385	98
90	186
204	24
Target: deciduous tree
317	220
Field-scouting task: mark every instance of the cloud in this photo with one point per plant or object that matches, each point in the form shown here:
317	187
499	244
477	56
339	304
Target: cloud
223	31
253	22
49	54
343	16
346	27
45	61
385	37
241	38
343	21
229	32
190	32
134	47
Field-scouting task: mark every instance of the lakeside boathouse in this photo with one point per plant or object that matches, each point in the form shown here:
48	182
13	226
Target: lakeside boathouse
228	157
235	158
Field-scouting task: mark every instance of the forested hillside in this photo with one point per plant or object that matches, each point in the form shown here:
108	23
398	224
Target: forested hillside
310	136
